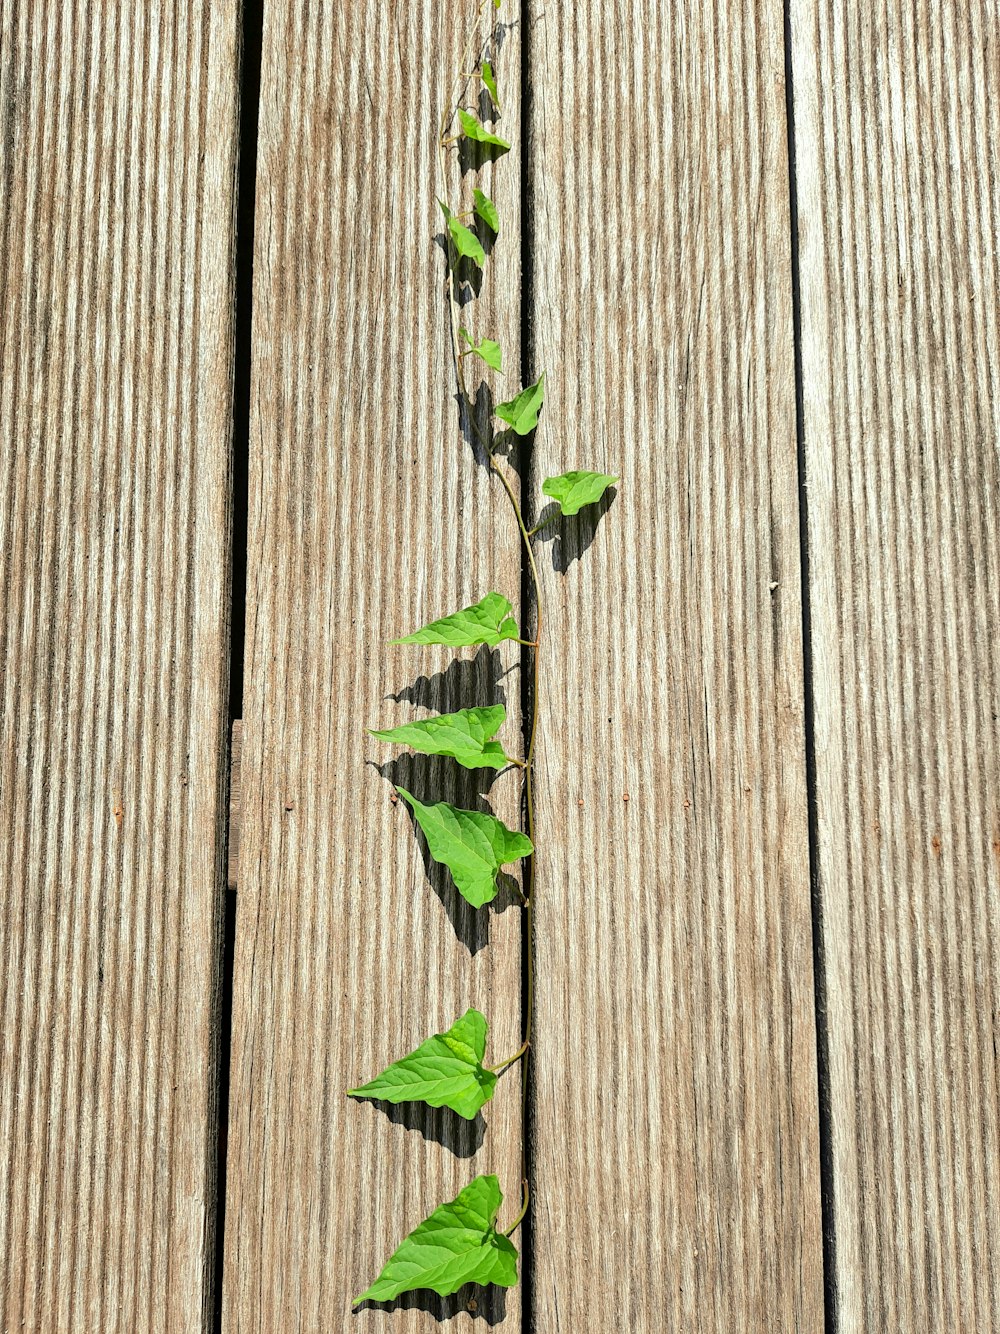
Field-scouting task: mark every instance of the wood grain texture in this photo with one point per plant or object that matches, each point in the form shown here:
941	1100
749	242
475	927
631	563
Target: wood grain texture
368	515
676	1146
117	162
899	204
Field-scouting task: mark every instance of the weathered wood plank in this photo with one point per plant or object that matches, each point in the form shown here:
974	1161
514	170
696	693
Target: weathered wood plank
676	1158
899	205
368	514
117	159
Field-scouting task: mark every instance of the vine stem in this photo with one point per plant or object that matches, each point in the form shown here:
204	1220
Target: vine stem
528	895
501	1066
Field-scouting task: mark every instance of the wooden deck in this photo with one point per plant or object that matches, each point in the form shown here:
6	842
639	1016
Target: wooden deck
757	254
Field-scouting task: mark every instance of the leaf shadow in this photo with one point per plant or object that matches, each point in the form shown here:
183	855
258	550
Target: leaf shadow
570	537
486	235
472	413
465	683
486	1304
486	108
468	274
432	778
440	1124
473	155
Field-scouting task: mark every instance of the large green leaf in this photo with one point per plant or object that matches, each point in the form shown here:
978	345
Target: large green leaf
485	348
466	243
457	1244
522	412
445	1071
486	622
486	209
466	736
472	844
473	128
573	490
490	81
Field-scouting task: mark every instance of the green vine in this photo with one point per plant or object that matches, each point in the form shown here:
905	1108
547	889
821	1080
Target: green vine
460	1241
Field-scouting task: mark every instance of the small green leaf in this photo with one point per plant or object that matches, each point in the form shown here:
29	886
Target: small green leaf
485	348
457	1244
466	242
486	622
472	844
522	412
473	128
466	736
488	79
445	1071
486	209
573	490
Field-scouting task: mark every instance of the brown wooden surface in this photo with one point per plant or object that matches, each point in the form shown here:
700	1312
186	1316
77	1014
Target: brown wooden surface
368	515
675	1126
899	205
676	1145
117	162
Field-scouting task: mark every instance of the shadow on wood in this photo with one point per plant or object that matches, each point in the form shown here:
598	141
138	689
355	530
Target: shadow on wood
466	683
468	274
440	1124
570	537
486	1304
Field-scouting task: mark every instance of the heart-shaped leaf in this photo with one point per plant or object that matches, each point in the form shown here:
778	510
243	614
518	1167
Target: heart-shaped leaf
472	844
485	348
490	81
445	1071
466	243
473	129
486	209
486	622
573	490
522	412
458	1243
466	736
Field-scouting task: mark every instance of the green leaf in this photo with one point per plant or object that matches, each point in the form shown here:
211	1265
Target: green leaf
472	844
466	242
445	1071
573	490
457	1244
485	348
466	736
488	79
486	209
522	412
486	622
473	128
